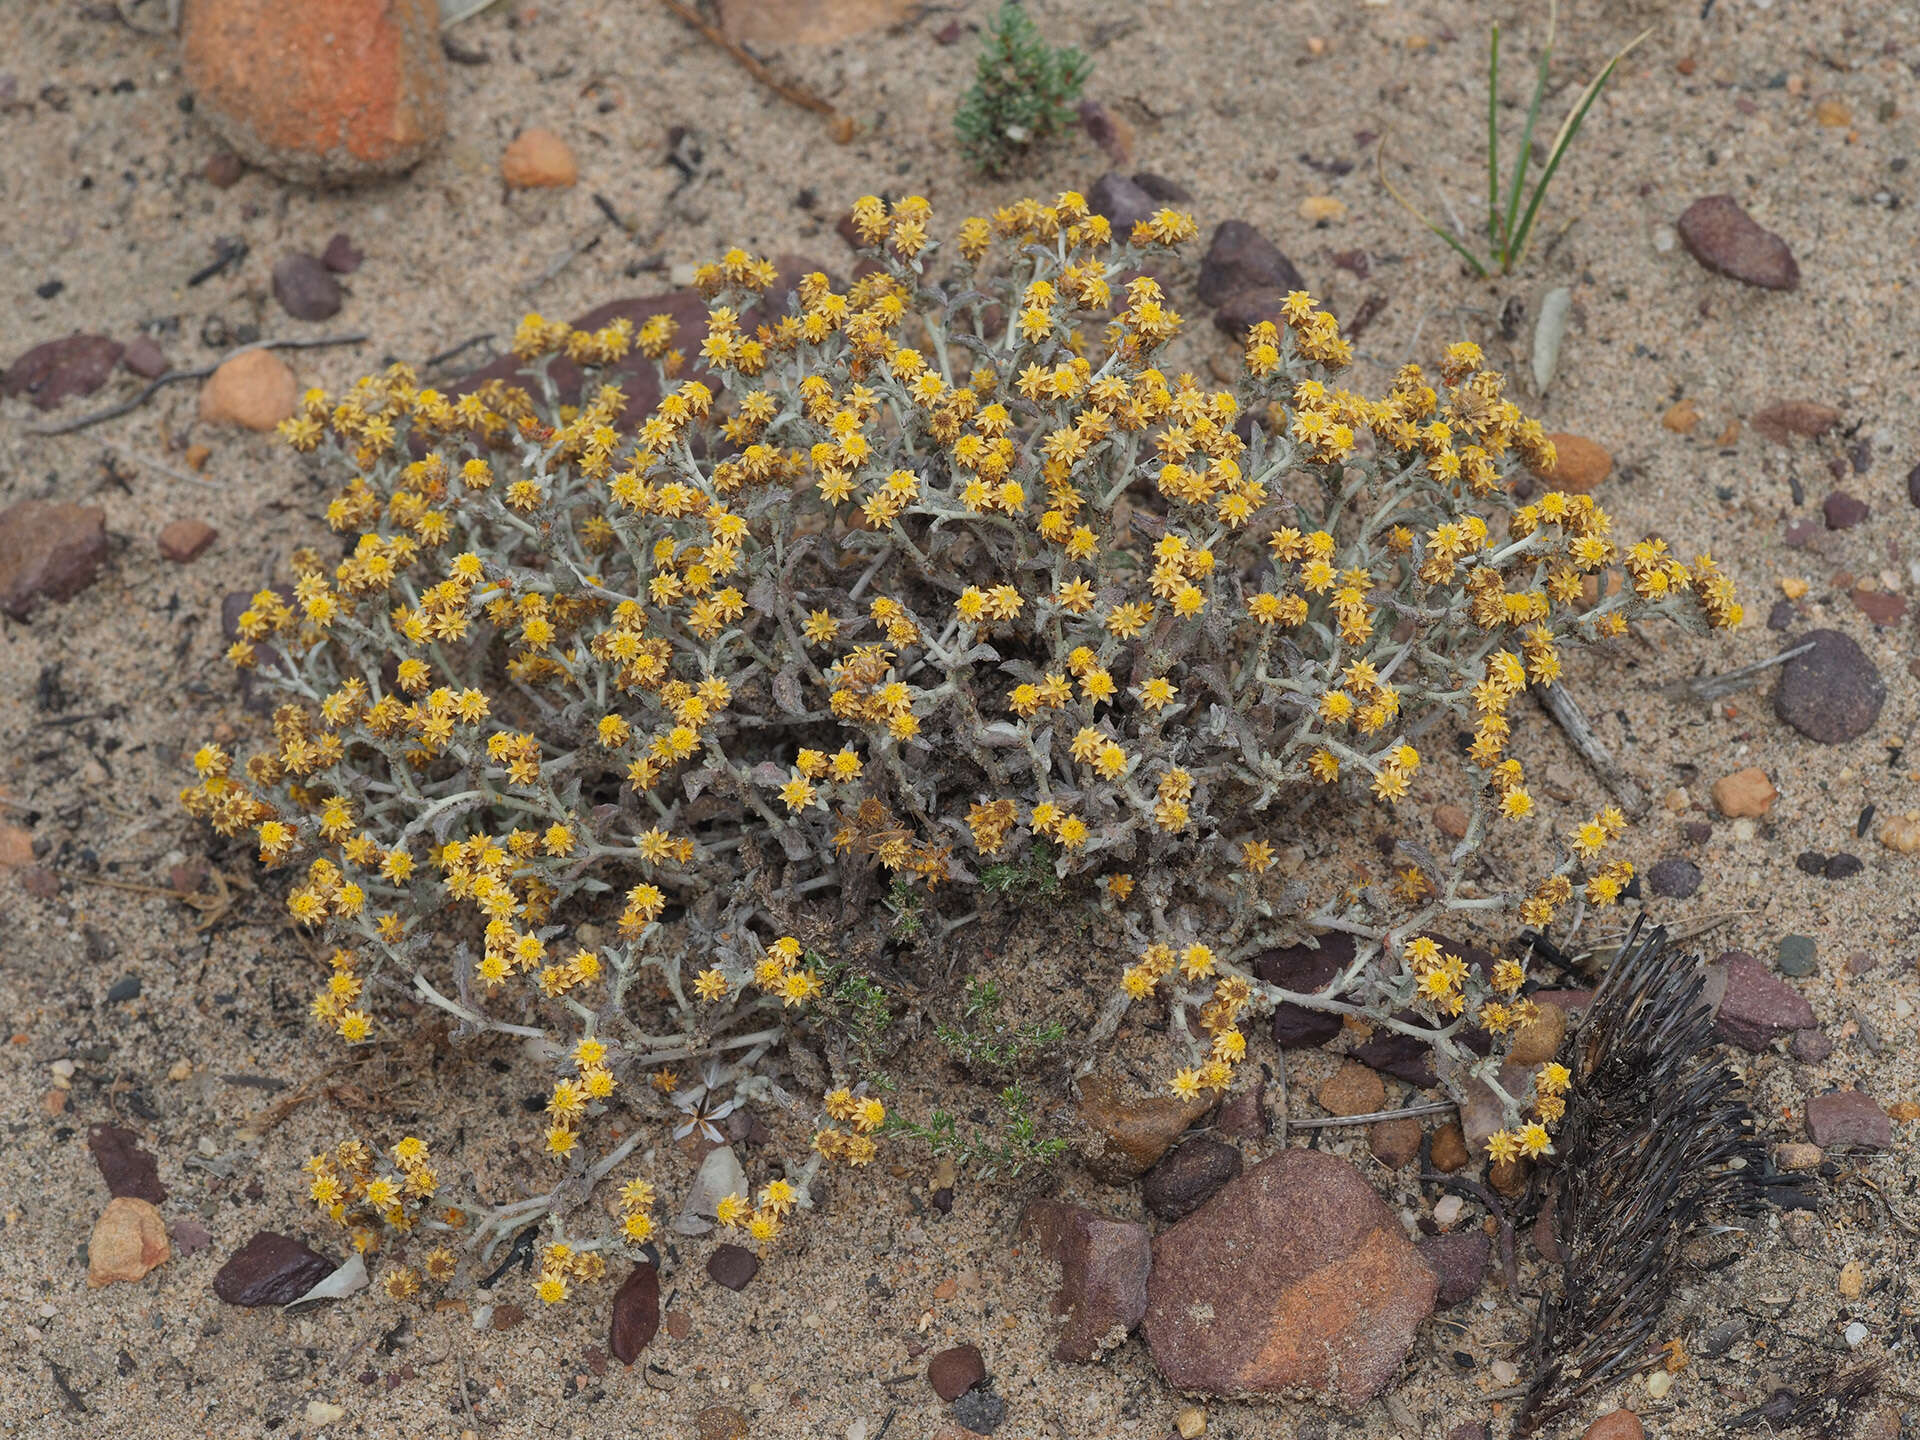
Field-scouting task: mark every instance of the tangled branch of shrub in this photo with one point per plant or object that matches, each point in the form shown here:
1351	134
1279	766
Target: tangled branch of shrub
942	571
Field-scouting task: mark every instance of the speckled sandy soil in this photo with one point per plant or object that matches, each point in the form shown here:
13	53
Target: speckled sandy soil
1254	106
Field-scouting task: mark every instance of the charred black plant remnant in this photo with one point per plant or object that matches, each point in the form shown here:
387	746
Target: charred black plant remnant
1655	1140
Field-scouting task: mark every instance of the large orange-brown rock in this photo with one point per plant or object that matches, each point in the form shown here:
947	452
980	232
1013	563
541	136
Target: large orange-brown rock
1295	1279
49	549
327	91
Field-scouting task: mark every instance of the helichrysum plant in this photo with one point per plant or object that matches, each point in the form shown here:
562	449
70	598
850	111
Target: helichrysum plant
595	731
1509	227
1023	92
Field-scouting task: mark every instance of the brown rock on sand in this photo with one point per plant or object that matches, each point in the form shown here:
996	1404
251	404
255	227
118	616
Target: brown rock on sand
1295	1278
329	93
254	390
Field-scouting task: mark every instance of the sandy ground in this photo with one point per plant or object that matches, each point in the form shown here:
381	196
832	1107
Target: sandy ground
101	699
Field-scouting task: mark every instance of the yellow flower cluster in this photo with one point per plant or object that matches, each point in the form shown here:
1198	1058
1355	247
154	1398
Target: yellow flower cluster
350	1188
945	568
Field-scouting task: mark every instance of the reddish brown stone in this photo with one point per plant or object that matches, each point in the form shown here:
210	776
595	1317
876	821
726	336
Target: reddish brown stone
1783	419
1848	1117
1616	1425
47	374
539	159
1394	1142
184	541
336	92
1727	240
1449	1148
636	1314
48	550
1295	1277
954	1372
127	1169
270	1269
1103	1276
1579	464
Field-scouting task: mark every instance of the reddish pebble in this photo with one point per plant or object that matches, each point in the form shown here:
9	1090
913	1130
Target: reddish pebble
1616	1425
185	541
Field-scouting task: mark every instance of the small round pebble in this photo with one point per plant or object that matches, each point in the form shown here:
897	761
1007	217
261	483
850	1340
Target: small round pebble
1673	878
1811	862
1844	866
1616	1425
1796	957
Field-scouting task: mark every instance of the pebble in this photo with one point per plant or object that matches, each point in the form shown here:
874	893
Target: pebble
1844	866
1127	1133
1353	1089
1449	1151
1240	258
324	1412
336	93
1579	463
1658	1384
1797	956
1852	1281
1747	792
305	287
49	550
145	358
1447	1211
189	1236
1394	1142
720	1422
254	390
980	1410
1848	1117
1755	1007
1167	192
1810	1046
1616	1425
1832	693
1190	1175
184	541
1900	832
1833	113
1460	1261
224	170
127	1168
1880	606
1103	1276
1783	419
1726	240
128	1241
954	1372
58	369
340	256
1121	200
636	1314
732	1266
1844	511
538	159
1299	1246
1451	821
270	1269
1674	878
1191	1423
1321	209
16	847
1856	1335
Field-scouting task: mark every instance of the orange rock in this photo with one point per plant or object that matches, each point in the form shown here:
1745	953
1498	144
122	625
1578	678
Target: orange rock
1579	464
332	92
184	541
128	1240
1745	793
255	390
1353	1089
1616	1425
1681	418
1835	114
538	159
1450	821
1449	1148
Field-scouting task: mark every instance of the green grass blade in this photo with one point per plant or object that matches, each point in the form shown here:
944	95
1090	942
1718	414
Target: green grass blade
1504	253
1493	137
1569	129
